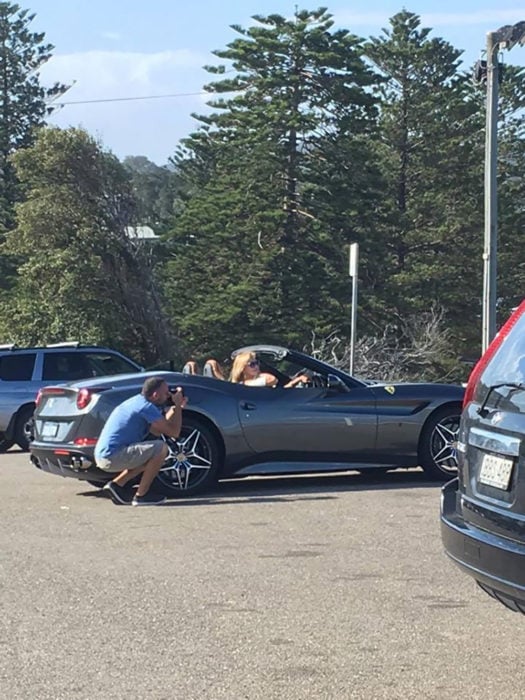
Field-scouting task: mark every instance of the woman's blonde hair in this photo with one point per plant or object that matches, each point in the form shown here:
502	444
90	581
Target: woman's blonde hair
239	363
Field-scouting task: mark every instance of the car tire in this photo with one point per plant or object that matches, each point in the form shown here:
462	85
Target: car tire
437	446
193	463
24	427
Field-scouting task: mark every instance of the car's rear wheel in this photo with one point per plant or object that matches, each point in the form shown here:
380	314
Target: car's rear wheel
24	427
437	449
193	461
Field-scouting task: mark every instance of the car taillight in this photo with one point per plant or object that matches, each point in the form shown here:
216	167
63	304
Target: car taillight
85	442
83	398
490	352
38	397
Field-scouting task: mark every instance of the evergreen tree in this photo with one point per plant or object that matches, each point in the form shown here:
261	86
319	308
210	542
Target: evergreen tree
432	151
24	104
510	192
254	247
155	189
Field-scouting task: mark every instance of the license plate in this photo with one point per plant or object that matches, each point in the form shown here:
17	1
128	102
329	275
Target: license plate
495	471
49	430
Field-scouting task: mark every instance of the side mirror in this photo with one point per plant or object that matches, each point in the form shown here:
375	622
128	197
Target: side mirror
335	383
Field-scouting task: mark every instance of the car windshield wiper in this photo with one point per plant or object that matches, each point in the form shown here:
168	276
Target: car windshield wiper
482	410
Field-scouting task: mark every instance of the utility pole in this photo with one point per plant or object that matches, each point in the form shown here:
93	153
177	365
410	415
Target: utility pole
503	38
490	247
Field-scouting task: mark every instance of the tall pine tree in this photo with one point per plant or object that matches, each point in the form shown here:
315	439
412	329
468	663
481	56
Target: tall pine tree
256	253
432	152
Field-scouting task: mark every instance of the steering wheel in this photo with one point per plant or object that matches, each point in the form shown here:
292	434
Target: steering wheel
306	372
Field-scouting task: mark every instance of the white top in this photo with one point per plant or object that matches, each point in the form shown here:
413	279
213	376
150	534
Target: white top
257	381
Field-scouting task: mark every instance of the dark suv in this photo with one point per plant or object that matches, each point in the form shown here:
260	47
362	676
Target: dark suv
23	371
483	510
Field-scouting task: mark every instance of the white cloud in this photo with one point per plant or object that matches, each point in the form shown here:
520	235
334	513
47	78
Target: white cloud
119	73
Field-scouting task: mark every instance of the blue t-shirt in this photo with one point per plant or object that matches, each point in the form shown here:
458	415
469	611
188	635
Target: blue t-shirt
128	423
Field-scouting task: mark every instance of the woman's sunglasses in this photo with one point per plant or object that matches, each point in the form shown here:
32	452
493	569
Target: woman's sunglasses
253	364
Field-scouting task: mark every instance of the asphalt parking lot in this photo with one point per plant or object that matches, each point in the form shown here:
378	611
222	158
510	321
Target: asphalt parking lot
329	587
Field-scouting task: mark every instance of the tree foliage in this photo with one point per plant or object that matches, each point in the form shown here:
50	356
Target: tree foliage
316	138
81	278
155	189
254	250
24	104
432	153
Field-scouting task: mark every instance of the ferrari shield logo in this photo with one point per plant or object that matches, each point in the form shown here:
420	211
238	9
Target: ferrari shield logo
390	389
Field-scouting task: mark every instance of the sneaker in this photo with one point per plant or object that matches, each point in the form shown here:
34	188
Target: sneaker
119	494
149	499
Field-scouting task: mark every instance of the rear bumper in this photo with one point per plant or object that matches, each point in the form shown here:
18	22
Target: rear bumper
496	563
71	462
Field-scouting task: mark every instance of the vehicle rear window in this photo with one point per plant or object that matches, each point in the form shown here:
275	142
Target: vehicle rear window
64	366
103	363
508	363
17	368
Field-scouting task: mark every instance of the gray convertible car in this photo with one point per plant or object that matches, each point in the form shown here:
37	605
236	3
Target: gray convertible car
333	422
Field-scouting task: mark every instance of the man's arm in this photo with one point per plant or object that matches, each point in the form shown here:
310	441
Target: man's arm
170	423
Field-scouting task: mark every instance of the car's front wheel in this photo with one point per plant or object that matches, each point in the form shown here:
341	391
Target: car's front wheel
438	444
193	461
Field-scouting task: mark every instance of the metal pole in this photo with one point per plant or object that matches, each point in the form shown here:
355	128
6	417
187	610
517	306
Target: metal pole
490	247
354	321
353	271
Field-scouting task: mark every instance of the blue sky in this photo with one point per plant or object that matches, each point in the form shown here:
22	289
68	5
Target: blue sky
115	49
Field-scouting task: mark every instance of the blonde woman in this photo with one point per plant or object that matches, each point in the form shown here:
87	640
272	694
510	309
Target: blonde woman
247	370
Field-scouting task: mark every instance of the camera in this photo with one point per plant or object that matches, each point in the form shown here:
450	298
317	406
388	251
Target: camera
173	390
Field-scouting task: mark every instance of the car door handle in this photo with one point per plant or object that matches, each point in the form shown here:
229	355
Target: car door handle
247	406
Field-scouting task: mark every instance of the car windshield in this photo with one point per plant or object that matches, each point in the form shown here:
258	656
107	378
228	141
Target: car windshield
283	367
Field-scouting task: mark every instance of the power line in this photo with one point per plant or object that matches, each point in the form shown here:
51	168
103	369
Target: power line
128	99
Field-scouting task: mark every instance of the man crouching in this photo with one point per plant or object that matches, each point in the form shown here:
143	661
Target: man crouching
122	448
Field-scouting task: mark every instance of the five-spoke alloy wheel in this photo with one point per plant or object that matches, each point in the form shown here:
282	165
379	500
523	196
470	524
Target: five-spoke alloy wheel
192	462
438	443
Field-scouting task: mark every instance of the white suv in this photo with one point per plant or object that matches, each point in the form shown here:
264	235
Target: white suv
23	371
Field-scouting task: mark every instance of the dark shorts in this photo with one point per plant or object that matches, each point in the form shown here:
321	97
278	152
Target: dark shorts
132	456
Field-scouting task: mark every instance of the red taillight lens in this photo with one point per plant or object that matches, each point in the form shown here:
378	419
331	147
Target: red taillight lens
85	442
38	397
83	398
490	352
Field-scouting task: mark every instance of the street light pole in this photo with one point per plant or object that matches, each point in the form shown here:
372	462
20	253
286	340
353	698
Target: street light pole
504	38
490	248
